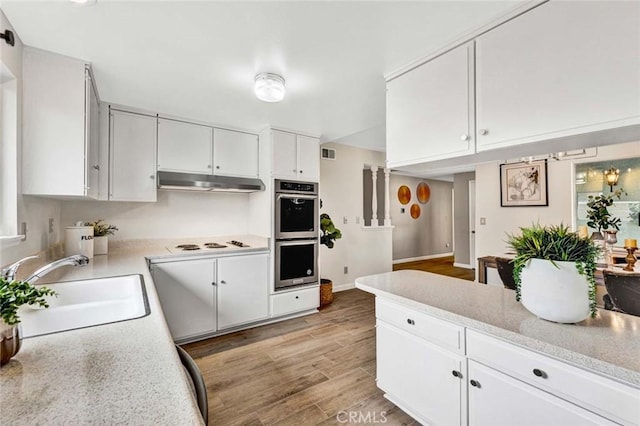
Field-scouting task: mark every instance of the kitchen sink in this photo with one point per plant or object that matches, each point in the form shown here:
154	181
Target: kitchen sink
87	303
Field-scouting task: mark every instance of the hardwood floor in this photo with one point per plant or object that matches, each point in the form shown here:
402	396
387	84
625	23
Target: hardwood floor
312	370
440	265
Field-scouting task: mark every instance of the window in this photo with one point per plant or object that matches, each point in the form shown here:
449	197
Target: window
8	153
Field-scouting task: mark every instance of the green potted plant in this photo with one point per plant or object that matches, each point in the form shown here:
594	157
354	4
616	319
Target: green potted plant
101	232
554	273
14	294
598	216
329	234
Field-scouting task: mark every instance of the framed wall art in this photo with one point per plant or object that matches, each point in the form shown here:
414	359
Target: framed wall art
524	184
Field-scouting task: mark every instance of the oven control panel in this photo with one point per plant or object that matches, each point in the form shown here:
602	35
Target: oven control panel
296	187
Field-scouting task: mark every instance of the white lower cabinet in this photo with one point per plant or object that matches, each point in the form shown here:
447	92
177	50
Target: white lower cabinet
496	399
200	297
295	301
419	377
187	294
497	383
243	290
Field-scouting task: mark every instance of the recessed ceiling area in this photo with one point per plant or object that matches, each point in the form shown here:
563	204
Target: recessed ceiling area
199	59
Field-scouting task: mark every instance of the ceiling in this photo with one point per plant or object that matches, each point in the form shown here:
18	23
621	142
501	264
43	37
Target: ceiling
198	59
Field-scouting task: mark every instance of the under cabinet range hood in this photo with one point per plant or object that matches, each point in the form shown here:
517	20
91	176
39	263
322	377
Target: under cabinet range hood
202	182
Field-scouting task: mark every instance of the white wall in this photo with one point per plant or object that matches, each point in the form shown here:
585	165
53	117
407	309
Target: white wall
490	238
176	214
431	233
363	251
34	211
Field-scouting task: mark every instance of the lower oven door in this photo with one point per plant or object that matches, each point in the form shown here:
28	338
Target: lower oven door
296	263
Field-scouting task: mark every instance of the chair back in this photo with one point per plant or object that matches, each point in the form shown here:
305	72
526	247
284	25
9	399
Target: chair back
505	270
624	290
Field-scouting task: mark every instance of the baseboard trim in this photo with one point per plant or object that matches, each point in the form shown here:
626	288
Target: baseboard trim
463	265
343	287
429	256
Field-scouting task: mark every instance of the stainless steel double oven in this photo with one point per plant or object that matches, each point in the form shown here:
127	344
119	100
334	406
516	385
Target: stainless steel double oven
296	233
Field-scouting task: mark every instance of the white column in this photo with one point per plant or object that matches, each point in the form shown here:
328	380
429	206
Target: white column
387	208
374	196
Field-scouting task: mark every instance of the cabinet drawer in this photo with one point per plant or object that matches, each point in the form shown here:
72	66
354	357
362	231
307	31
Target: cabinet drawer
606	397
442	333
295	301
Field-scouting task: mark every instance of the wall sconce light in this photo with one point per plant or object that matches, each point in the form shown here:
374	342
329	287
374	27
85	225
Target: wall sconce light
612	176
269	87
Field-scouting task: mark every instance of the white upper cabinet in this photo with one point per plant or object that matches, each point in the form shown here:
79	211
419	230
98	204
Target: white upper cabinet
60	126
295	156
235	153
184	147
430	110
308	156
563	68
132	149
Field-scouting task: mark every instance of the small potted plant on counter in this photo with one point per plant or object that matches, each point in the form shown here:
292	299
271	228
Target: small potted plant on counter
14	294
101	232
554	273
329	234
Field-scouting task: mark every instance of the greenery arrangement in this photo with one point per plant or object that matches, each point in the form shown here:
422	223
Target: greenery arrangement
329	231
101	229
598	216
555	243
14	294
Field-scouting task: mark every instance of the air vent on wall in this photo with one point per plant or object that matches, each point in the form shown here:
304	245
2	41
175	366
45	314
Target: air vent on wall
328	154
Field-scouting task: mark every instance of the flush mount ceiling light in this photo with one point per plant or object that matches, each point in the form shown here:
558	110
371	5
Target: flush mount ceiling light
611	176
83	2
269	87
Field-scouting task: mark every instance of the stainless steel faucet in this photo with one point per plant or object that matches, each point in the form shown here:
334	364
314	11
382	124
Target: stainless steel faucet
9	273
76	260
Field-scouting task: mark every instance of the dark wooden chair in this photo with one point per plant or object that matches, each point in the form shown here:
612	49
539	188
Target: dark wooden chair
505	270
624	290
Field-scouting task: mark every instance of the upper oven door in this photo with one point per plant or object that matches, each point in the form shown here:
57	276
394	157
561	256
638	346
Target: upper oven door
296	216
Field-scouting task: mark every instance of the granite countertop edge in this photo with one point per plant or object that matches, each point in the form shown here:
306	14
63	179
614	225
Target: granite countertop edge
580	359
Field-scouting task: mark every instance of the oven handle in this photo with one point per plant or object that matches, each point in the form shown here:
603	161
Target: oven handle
294	196
296	242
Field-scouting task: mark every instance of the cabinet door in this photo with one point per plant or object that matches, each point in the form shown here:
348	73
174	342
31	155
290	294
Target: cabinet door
497	399
235	153
308	158
243	289
285	157
563	68
184	147
53	140
187	294
132	146
430	110
92	138
418	377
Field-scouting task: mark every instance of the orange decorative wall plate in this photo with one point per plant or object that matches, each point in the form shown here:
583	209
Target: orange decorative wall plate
415	211
404	194
423	192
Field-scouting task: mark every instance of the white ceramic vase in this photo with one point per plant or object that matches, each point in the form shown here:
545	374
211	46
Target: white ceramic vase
101	245
555	292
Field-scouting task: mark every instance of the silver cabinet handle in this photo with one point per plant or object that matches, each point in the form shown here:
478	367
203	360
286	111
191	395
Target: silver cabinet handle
464	137
217	167
484	132
208	166
300	171
152	177
213	283
96	167
295	170
223	282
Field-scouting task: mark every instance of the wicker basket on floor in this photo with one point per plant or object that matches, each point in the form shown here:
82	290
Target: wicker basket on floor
326	292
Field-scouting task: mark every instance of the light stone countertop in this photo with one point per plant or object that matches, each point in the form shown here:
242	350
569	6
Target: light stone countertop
121	373
608	344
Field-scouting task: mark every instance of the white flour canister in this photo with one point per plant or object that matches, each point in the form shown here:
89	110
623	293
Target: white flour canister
78	240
